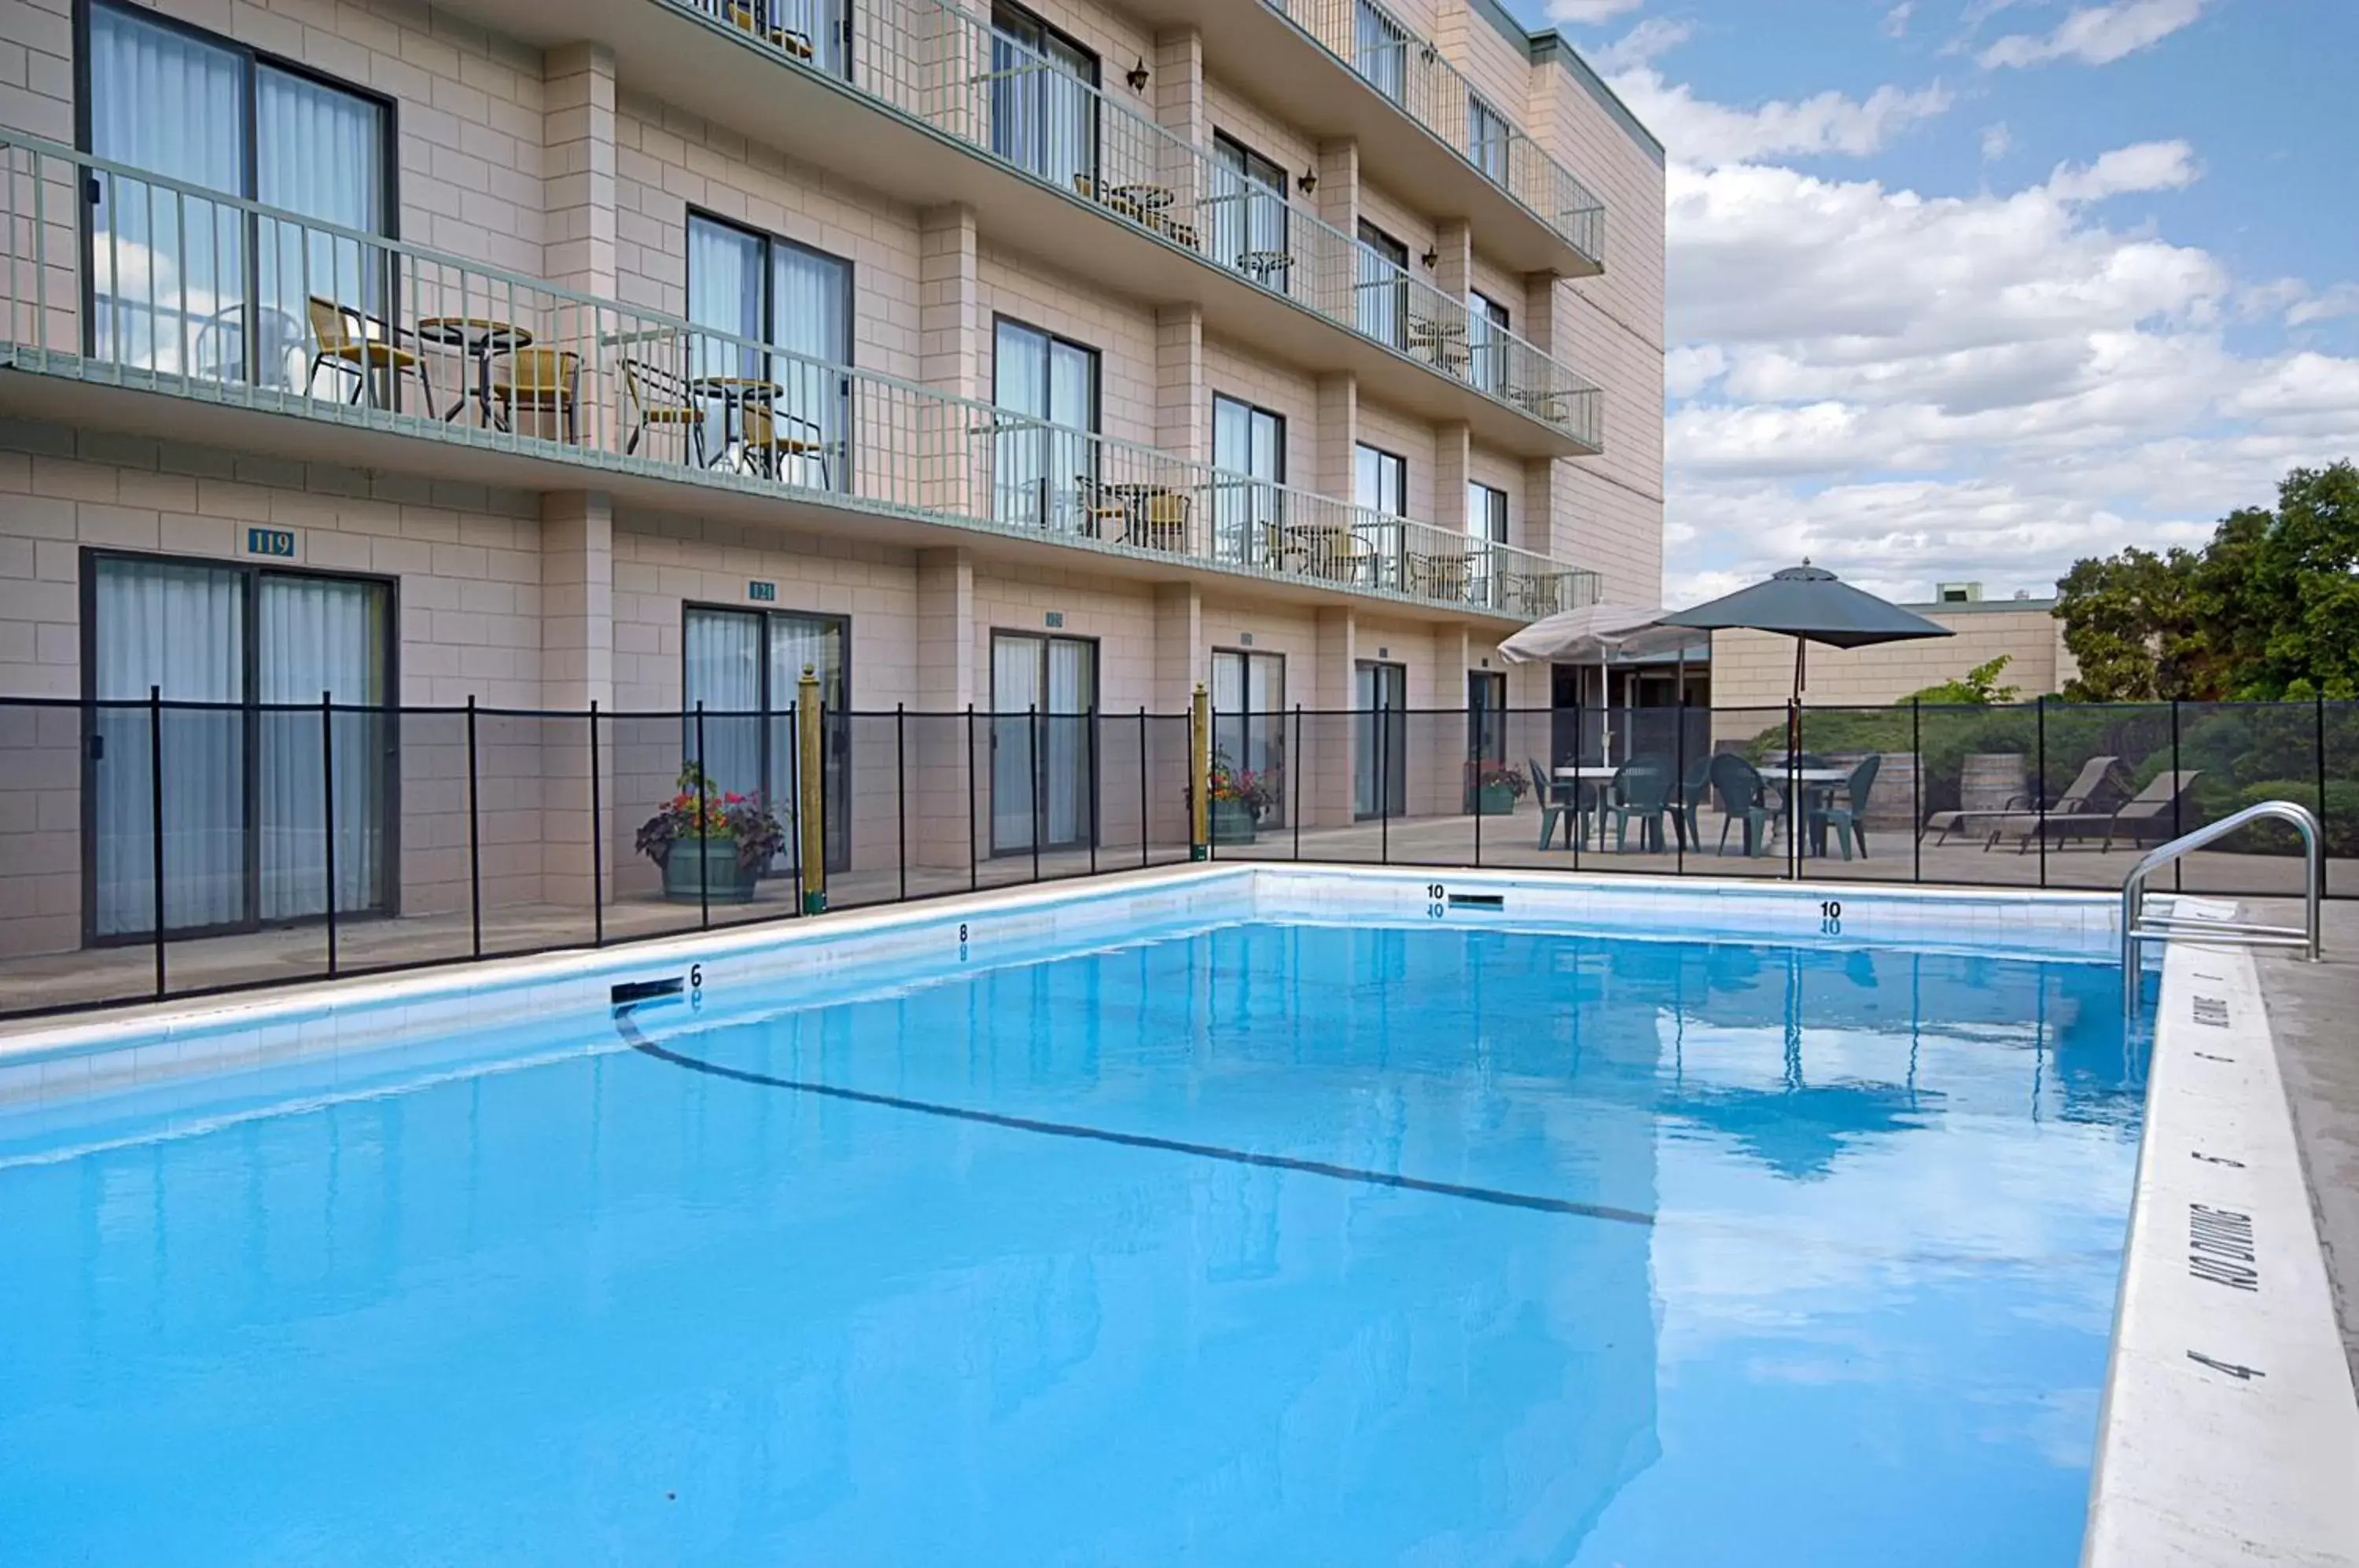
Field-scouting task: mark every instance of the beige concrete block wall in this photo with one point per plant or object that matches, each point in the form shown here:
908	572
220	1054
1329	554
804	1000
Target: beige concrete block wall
1753	669
1233	370
1265	133
1122	330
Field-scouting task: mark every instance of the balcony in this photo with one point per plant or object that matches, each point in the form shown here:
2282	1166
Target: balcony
964	107
1418	119
234	312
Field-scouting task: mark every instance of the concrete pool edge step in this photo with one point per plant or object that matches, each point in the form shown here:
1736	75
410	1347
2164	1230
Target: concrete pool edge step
2230	1428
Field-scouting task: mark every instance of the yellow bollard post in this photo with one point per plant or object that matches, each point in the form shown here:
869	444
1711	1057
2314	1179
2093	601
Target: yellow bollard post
810	807
1200	774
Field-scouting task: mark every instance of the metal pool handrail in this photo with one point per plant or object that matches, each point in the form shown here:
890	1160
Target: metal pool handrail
2137	928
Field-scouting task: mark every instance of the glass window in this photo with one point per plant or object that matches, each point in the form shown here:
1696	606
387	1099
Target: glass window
1487	323
1487	135
1044	107
1487	525
781	413
172	287
1379	480
744	668
1248	206
1044	464
1382	286
1043	761
1249	722
1249	450
1380	51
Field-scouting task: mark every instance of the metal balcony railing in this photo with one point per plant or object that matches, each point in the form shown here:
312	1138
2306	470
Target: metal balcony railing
952	70
1411	73
113	275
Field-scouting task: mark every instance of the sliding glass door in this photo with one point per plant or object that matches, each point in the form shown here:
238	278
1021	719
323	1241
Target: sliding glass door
785	414
745	668
1380	752
1043	742
1039	472
1249	720
184	285
1249	217
1249	450
1044	112
246	785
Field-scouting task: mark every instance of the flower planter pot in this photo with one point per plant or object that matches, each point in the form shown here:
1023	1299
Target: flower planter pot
706	870
1495	800
1232	822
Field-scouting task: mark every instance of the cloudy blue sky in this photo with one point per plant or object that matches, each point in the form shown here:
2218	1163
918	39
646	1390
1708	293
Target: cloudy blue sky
1971	289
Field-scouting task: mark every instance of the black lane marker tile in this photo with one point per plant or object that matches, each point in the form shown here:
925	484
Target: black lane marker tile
641	1043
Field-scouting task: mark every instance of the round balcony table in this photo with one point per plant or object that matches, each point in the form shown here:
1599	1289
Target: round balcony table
1148	198
477	338
1261	266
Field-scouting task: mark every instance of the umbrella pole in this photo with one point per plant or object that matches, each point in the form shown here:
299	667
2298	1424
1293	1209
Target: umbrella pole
1794	765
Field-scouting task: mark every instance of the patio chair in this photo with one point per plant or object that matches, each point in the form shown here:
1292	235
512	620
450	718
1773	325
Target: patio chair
773	440
1849	819
539	381
2146	817
1103	513
1162	520
1744	797
749	19
2095	775
658	396
360	345
1559	803
1642	794
1694	791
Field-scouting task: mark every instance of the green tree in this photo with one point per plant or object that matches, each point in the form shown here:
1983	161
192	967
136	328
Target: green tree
2268	608
1978	688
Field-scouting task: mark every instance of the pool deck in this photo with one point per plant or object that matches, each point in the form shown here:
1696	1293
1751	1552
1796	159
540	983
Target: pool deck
2312	1009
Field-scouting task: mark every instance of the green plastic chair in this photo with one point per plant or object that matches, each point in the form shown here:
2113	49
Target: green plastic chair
1848	819
1552	797
1743	798
1642	793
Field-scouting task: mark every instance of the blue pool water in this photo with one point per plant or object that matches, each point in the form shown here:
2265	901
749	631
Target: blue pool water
1271	1245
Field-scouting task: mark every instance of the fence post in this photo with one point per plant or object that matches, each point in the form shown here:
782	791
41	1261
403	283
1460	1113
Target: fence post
1199	773
1384	772
2321	748
328	815
2178	871
474	838
1917	790
2039	786
1474	786
1679	807
1142	785
597	839
703	840
1294	781
810	812
974	869
1040	783
155	821
1097	760
901	791
1579	740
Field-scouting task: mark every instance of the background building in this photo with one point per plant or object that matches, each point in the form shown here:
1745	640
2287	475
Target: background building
640	352
1753	669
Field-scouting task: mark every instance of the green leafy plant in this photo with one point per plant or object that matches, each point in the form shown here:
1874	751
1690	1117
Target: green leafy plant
696	810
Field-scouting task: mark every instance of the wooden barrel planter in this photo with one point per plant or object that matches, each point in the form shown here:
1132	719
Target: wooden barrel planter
1991	780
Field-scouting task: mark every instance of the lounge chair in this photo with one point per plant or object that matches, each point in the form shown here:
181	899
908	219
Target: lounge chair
1849	819
2095	775
1744	797
2146	817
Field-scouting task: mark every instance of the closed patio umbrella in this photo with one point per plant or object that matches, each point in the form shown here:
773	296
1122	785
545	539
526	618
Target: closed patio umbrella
1809	605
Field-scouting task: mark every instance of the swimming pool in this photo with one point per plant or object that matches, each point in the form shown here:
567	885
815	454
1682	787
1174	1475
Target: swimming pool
1430	1240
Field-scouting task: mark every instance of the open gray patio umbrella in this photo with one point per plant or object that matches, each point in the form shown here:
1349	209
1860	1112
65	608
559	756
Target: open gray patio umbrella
1809	605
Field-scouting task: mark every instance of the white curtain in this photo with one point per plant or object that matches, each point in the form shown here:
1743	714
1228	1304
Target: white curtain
316	635
797	641
810	308
1071	458
724	292
1043	108
723	650
1016	691
319	152
1382	52
159	624
1065	734
163	268
1019	385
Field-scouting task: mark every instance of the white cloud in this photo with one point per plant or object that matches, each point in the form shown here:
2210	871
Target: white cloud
1700	132
1997	142
1589	13
1654	37
1913	388
2148	165
2343	299
1896	21
2097	35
